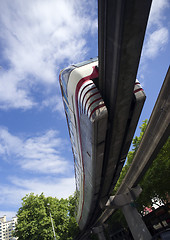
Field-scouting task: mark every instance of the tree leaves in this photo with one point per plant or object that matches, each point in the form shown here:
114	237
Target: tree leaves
135	145
155	183
34	218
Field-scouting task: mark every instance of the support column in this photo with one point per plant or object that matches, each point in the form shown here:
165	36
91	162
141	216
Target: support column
100	232
133	218
136	223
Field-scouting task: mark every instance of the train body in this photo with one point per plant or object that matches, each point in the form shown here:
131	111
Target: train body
87	119
86	116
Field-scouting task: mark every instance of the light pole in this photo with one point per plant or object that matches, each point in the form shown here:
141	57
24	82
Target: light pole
51	221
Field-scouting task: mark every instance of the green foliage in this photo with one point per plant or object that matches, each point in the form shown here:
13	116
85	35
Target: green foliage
135	145
34	218
155	183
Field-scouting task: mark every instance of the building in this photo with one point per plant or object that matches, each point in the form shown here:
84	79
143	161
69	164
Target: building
6	228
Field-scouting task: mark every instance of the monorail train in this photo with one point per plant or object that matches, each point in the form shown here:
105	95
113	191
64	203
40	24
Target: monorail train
87	119
86	116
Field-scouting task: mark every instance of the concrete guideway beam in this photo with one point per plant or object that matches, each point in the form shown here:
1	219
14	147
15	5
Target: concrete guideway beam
122	26
156	134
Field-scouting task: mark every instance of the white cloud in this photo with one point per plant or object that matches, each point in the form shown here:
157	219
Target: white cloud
12	194
94	26
40	154
55	103
55	187
157	33
156	42
12	95
9	143
37	37
156	14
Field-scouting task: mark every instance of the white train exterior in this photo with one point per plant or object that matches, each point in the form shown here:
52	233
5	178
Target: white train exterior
87	117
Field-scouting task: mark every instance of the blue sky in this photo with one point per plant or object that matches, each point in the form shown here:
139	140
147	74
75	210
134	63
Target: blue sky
38	39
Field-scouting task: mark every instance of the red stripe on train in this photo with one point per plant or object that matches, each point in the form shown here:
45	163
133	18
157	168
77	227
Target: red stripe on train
80	83
84	88
137	90
99	106
86	94
89	98
93	103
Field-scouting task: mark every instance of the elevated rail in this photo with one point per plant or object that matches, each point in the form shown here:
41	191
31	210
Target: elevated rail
156	134
122	26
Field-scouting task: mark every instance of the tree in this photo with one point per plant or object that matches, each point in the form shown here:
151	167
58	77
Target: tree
34	218
155	183
135	145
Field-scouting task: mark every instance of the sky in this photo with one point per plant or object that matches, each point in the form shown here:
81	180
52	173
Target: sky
38	38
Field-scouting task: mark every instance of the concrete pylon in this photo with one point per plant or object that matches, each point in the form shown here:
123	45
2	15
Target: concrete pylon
100	232
134	220
136	223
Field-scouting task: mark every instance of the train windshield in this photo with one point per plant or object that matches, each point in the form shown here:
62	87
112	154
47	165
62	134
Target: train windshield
85	62
65	76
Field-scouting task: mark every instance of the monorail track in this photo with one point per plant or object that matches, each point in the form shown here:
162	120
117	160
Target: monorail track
122	26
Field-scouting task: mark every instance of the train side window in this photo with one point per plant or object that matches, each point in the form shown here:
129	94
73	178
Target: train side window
86	62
